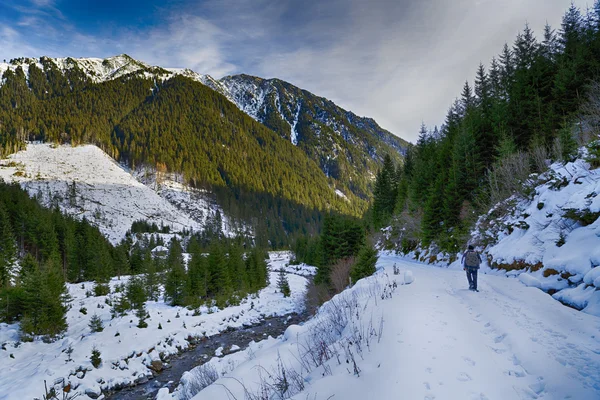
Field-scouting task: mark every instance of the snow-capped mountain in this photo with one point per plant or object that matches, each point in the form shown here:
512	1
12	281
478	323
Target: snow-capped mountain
347	148
102	69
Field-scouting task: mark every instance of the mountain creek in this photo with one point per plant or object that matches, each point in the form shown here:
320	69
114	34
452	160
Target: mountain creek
202	351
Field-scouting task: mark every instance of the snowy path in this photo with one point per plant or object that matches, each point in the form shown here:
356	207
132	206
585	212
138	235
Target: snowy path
441	341
506	342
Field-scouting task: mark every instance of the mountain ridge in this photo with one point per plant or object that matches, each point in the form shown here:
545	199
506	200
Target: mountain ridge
146	116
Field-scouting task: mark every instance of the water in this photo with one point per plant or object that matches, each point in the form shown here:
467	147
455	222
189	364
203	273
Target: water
203	351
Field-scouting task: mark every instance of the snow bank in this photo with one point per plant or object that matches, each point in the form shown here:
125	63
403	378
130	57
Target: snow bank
550	241
529	280
555	229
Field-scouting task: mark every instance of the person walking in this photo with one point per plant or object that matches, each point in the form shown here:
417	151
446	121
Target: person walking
471	261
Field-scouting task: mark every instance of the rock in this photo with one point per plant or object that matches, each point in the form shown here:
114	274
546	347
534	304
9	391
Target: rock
93	392
141	380
80	374
156	366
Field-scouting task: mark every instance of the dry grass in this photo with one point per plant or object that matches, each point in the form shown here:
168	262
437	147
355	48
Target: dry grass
518	265
549	272
340	274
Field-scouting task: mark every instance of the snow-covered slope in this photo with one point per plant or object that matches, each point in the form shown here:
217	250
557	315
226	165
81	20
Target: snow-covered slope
101	70
431	339
127	351
85	182
552	240
268	99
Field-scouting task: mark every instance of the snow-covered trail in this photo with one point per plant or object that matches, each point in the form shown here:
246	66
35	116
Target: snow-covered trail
506	342
439	341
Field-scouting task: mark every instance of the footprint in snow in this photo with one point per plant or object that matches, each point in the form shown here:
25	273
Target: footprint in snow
518	372
500	338
427	386
469	361
429	397
463	377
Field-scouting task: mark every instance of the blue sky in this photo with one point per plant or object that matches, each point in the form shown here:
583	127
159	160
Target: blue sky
398	61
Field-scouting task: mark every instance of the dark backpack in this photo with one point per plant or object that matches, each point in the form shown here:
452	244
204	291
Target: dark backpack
471	259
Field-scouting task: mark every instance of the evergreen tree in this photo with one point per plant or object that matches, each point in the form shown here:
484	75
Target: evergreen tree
96	324
96	358
152	281
283	285
220	279
8	250
365	263
385	192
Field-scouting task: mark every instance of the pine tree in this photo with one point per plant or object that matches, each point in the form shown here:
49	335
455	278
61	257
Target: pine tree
525	48
506	71
237	269
176	283
385	192
96	324
365	263
220	280
152	280
44	297
95	358
282	284
8	250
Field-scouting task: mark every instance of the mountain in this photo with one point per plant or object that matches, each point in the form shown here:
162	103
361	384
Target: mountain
191	125
348	148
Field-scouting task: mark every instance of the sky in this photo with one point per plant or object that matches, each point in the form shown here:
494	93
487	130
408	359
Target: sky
401	62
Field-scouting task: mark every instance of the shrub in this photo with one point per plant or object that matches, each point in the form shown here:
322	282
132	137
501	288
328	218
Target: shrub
594	154
95	358
549	272
561	240
83	310
340	274
540	205
584	217
101	289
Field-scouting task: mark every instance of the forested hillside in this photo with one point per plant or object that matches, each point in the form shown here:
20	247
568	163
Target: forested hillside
146	116
348	148
528	106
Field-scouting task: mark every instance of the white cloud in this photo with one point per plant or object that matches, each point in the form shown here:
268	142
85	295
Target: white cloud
400	62
185	41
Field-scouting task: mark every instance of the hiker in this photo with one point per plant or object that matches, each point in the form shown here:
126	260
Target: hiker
471	260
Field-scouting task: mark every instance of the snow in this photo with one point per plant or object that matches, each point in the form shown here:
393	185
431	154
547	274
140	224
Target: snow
340	194
280	260
529	280
408	277
439	341
106	194
555	253
294	133
126	351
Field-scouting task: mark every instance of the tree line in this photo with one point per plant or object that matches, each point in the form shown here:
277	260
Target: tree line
522	109
177	124
41	250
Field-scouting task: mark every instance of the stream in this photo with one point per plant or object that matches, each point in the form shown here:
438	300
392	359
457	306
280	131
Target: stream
202	352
